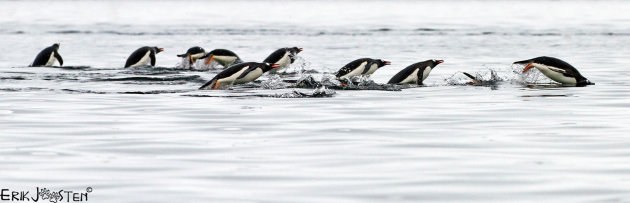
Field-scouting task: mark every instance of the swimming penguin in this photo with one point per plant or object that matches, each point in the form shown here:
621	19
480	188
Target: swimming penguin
239	74
223	56
193	54
48	56
143	56
415	73
556	69
362	66
283	57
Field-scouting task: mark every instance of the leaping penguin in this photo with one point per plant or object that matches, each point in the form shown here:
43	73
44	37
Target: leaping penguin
193	54
48	56
283	57
362	66
143	56
415	73
223	56
239	74
557	70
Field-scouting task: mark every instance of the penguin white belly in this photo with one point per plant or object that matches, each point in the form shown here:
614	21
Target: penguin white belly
357	71
232	78
425	74
373	69
555	76
51	60
284	61
411	78
228	60
197	56
146	59
251	76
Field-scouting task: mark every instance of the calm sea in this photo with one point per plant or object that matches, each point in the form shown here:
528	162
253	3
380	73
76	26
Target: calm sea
148	134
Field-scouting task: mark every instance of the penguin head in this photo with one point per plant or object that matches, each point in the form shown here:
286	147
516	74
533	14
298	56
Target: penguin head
295	50
381	62
157	49
56	45
268	66
436	62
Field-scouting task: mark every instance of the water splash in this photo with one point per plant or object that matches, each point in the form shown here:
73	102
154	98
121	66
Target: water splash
331	82
528	78
273	82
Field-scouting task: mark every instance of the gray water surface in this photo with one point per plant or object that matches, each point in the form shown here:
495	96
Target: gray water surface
148	135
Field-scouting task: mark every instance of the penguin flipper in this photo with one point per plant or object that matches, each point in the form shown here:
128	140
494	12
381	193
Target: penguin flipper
250	69
59	58
563	72
367	67
182	55
420	74
152	55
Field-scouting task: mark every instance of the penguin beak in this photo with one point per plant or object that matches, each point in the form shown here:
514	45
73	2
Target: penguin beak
210	60
161	49
439	61
301	49
275	66
529	66
387	63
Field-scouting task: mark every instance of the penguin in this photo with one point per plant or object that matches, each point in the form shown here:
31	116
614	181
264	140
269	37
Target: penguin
48	56
556	70
415	73
193	54
223	56
283	57
143	56
239	74
362	66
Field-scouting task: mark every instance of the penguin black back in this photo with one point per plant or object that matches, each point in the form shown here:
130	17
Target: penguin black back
138	55
192	50
276	55
44	56
222	52
550	61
